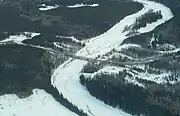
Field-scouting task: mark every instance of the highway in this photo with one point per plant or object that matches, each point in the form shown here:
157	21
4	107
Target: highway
106	61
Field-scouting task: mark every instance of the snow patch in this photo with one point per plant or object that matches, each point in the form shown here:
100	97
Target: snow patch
72	38
111	70
20	38
44	7
127	46
83	5
56	44
166	47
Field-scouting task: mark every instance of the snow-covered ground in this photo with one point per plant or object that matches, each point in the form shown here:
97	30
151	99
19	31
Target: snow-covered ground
72	38
56	44
66	76
83	5
44	7
109	70
126	46
20	38
158	76
39	103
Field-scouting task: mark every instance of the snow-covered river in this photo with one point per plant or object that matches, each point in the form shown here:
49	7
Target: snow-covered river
66	77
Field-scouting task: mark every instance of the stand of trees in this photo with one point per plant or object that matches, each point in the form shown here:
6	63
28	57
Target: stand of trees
147	18
128	97
59	97
143	20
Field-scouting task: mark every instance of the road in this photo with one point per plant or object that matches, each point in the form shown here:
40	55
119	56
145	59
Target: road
106	61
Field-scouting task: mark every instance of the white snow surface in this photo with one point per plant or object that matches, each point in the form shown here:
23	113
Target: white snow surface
39	103
72	38
166	47
66	76
44	7
20	38
110	70
83	5
56	44
126	46
159	76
